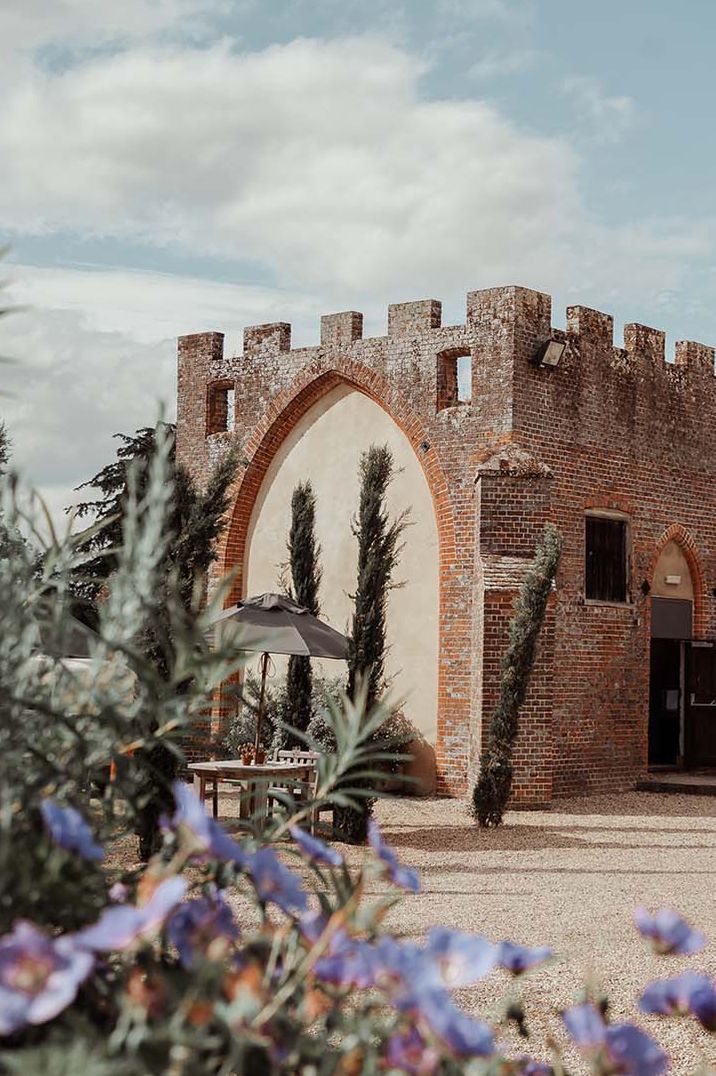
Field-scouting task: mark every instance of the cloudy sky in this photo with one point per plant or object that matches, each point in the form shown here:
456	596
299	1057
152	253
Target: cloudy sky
170	166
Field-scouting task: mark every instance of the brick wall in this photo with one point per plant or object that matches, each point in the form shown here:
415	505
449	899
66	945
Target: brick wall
610	428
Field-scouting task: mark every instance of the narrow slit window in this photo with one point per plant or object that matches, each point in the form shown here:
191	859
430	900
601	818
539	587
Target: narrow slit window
606	559
464	378
454	378
221	407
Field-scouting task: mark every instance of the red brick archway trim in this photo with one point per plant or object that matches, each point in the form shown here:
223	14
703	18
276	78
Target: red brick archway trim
677	533
281	416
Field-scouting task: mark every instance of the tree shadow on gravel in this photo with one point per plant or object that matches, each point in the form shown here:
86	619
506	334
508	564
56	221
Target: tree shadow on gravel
469	838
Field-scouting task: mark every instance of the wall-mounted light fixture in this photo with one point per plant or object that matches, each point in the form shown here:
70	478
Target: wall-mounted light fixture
550	353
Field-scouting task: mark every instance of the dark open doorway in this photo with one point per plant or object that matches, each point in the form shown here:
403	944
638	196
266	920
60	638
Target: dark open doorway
700	740
671	626
665	702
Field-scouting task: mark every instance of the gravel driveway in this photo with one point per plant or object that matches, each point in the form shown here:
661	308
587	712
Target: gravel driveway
570	878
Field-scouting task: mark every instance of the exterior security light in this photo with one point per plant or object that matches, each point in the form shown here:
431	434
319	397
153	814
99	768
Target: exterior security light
549	354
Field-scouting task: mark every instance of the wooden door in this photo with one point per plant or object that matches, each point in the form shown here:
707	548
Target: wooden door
701	705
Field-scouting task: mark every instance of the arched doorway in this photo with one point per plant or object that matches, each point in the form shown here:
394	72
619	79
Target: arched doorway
672	614
324	445
682	678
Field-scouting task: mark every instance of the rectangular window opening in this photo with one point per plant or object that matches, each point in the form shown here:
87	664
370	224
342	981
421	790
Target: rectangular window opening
464	378
606	559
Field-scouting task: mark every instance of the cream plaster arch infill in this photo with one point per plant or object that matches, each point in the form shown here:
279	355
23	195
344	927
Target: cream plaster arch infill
281	416
678	534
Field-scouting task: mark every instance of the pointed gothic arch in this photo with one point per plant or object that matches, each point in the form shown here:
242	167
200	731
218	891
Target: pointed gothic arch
269	434
677	533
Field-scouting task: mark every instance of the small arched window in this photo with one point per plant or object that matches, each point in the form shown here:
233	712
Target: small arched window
220	407
454	378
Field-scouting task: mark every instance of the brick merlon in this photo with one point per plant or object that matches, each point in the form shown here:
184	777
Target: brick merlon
269	339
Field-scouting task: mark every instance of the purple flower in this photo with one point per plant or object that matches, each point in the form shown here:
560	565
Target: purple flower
529	1067
205	835
120	926
463	1034
197	924
625	1049
69	830
314	850
118	892
39	976
413	980
687	993
348	962
410	1053
669	933
312	923
275	883
585	1025
462	958
703	1005
518	958
401	876
633	1052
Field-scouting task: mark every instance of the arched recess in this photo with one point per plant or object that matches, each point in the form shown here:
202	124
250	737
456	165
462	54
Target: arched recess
678	534
282	415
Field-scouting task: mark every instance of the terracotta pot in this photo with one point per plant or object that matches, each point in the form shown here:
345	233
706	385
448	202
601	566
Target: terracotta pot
260	756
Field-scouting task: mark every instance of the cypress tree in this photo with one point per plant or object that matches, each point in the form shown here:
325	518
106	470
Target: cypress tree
494	783
379	550
306	573
4	448
379	547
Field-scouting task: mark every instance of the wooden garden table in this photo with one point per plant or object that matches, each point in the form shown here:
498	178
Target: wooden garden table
257	780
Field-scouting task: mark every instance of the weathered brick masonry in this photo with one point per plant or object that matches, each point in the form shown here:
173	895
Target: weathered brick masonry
608	428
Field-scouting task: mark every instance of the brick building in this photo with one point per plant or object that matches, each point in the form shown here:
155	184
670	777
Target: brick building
514	423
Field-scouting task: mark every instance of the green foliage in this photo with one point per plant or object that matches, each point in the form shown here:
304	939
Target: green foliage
63	722
494	784
192	524
10	536
304	556
242	727
379	549
4	448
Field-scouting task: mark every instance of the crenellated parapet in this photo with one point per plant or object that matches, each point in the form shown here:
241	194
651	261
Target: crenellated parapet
474	382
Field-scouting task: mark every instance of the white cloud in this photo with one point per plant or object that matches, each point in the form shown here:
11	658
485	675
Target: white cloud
601	117
29	24
95	353
320	159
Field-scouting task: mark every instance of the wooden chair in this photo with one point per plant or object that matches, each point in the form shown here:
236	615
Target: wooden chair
300	791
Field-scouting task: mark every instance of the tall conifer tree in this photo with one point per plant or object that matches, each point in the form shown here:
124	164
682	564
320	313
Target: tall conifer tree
494	784
379	547
306	573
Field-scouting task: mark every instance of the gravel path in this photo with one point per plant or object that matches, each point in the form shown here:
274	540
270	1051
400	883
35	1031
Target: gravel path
569	878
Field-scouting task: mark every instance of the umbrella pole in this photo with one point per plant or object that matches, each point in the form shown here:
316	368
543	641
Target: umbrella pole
262	694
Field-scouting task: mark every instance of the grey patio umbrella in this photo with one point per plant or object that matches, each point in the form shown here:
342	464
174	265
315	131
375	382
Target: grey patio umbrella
272	624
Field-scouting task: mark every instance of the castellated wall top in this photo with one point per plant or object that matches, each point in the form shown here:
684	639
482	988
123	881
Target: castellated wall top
598	394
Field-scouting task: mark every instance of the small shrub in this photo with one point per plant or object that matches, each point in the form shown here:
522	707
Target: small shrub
242	728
